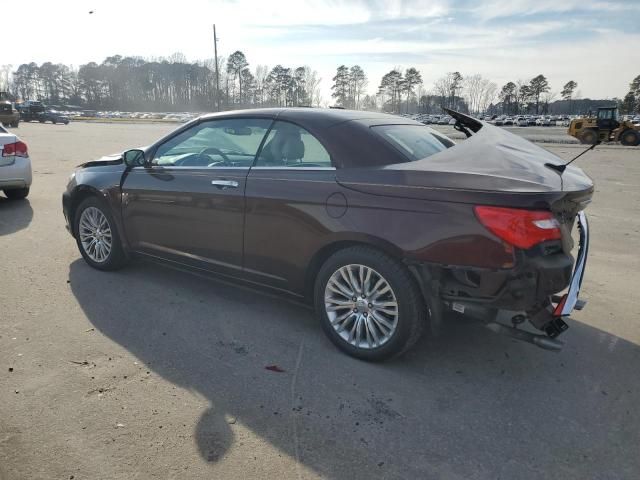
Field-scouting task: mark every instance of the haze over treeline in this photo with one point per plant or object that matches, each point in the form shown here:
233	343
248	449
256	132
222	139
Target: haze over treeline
175	84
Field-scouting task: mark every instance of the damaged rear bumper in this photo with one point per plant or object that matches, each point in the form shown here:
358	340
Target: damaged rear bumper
530	299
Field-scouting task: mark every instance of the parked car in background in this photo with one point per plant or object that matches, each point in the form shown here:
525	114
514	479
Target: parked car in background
15	166
498	122
521	122
377	220
9	116
452	121
508	121
54	117
444	120
30	110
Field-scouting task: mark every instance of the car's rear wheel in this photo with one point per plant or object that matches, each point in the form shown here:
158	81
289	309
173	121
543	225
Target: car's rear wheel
97	236
17	193
630	138
368	304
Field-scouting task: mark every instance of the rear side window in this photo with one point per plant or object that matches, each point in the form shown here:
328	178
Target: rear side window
415	142
289	145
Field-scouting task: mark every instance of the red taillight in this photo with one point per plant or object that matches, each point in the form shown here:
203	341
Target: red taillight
19	149
520	228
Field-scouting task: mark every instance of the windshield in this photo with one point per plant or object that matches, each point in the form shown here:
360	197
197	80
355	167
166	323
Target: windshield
414	141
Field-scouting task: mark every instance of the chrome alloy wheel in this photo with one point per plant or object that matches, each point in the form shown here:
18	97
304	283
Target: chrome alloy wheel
361	306
95	234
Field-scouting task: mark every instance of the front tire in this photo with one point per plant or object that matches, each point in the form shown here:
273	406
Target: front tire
17	193
368	304
589	137
97	235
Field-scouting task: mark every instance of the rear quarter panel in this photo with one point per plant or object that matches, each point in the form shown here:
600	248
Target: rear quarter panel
298	215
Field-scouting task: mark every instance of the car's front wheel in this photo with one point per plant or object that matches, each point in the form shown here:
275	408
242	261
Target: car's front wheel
97	236
368	304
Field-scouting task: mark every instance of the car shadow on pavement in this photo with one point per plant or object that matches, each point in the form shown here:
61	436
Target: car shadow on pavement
468	404
14	215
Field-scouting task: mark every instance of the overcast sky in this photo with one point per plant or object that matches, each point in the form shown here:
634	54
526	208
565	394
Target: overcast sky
594	42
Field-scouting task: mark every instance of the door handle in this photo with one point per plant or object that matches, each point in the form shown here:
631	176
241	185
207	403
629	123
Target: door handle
224	183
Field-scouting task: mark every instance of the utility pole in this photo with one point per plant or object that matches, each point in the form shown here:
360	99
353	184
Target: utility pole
215	51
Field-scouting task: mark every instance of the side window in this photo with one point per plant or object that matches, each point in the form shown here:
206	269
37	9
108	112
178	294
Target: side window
289	145
214	143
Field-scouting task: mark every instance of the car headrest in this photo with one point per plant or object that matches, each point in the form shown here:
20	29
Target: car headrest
293	149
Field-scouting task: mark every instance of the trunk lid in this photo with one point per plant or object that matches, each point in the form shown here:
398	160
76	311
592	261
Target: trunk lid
493	167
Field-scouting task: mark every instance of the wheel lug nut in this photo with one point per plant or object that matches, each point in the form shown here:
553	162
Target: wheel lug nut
363	296
365	314
355	310
354	299
370	305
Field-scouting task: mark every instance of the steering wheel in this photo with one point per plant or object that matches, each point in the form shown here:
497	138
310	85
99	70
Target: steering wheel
215	151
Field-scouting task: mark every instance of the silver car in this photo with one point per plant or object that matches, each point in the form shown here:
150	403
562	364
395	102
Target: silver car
15	166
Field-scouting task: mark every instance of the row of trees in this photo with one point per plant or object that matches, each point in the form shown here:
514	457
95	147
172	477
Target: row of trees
166	84
528	97
174	84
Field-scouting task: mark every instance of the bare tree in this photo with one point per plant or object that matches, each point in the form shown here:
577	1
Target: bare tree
479	92
313	86
358	83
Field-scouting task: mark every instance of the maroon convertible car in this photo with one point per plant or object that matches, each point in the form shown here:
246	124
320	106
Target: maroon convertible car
381	222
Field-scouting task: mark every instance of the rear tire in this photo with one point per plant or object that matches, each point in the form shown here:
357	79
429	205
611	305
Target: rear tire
17	193
589	137
382	322
96	231
630	138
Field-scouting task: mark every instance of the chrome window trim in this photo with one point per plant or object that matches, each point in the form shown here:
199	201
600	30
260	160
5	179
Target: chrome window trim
305	169
180	167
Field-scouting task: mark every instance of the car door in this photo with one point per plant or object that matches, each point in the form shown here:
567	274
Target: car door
187	203
290	191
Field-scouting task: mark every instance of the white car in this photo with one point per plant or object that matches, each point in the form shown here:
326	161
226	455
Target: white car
522	122
15	166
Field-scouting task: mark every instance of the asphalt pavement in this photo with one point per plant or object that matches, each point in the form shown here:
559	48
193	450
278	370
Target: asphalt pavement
153	372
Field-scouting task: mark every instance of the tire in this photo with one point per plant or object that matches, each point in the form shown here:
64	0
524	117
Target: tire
630	138
589	137
410	309
53	122
17	193
116	258
41	120
16	124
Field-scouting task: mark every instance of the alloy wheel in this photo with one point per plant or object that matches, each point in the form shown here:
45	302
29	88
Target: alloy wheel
361	306
95	234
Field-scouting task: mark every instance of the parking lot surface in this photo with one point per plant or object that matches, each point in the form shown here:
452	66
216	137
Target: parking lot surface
152	372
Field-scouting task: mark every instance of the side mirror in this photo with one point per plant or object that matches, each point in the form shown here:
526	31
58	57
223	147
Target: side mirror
134	158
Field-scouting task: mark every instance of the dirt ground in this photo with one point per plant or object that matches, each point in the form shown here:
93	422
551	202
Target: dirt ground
152	372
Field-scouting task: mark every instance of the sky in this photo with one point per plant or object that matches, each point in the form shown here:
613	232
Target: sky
594	42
